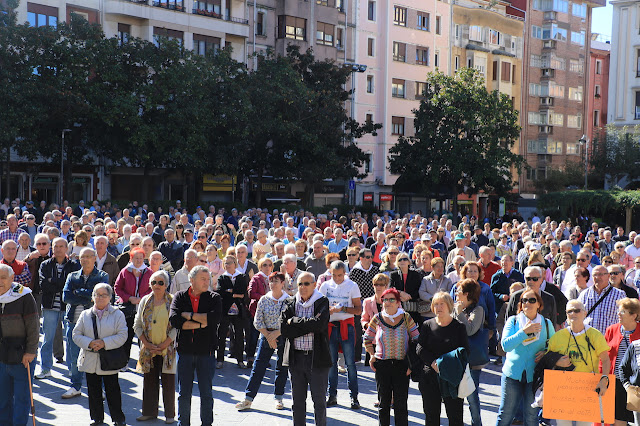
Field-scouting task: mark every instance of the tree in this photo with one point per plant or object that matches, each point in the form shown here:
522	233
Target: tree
616	155
463	139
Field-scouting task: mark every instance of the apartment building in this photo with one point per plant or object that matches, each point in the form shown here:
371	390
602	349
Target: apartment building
624	72
598	93
556	75
399	42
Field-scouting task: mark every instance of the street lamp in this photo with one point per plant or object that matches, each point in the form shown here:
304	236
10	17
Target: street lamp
62	167
354	69
583	141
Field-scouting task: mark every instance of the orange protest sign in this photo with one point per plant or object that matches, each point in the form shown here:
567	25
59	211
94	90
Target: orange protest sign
568	395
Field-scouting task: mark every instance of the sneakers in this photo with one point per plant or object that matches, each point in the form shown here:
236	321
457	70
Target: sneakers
250	363
355	405
43	374
332	401
341	369
71	393
279	404
144	418
243	405
169	420
242	365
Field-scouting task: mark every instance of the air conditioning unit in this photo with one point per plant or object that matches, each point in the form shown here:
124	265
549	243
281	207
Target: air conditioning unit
549	44
546	101
546	129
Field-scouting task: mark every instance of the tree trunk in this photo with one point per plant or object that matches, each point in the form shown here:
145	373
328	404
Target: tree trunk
454	192
68	169
309	195
258	198
145	185
7	177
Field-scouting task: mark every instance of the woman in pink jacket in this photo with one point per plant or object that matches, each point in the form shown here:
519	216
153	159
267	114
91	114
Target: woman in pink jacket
131	286
372	305
258	287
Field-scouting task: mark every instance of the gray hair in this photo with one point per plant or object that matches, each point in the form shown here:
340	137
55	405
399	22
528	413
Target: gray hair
8	269
58	239
196	270
162	274
135	237
155	253
529	269
338	264
40	236
289	256
100	238
89	250
102	286
190	252
484	249
53	230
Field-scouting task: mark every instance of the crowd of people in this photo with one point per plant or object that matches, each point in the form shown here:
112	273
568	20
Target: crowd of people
414	298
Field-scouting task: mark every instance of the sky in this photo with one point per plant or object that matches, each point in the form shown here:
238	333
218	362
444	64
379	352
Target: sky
601	20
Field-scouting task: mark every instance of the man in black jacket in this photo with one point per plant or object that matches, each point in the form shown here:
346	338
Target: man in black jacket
534	278
304	324
195	313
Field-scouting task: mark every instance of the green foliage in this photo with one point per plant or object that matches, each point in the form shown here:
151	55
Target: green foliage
463	138
617	154
559	179
598	202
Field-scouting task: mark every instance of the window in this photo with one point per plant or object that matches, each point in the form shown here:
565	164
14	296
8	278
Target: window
637	110
371	47
399	52
553	32
536	61
397	126
371	10
39	15
536	32
554	147
340	5
574	121
596	118
575	93
438	26
260	27
494	71
536	90
170	4
505	71
436	59
369	84
598	67
480	64
421	87
577	38
211	7
476	33
457	31
556	119
124	33
576	66
531	174
535	118
514	44
368	118
423	21
456	63
324	34
495	37
422	55
573	148
167	34
596	90
556	90
579	10
292	27
555	5
322	2
339	38
544	147
513	74
397	88
205	44
400	16
367	162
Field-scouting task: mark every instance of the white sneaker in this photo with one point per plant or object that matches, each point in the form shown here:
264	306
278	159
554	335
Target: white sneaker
43	374
71	393
243	405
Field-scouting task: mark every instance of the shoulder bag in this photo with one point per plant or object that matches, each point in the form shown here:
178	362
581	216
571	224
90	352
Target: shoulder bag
110	360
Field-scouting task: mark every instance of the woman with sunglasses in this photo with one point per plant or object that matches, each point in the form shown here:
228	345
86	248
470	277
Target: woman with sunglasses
616	278
389	260
387	341
524	336
458	263
626	259
267	322
258	287
619	337
407	281
157	354
180	232
585	346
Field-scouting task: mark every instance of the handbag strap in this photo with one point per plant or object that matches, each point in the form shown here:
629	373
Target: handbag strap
95	325
604	296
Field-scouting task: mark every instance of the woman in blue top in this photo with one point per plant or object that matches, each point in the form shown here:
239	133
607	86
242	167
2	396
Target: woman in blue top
523	338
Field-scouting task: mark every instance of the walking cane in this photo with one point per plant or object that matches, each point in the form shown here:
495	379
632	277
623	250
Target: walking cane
33	407
601	410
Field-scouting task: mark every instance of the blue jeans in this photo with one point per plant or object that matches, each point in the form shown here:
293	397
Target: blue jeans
260	367
512	393
73	351
252	340
204	367
474	399
15	402
51	319
348	349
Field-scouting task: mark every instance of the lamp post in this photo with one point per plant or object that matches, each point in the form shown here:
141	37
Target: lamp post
585	143
62	166
354	69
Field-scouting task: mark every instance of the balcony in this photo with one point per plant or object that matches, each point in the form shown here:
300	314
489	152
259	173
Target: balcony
546	102
549	44
550	16
169	5
545	130
548	72
215	15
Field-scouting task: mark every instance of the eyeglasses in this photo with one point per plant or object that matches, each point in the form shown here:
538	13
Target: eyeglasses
389	300
531	300
600	274
574	311
622	312
534	279
42	244
403	259
352	255
394	253
101	296
582	260
154	282
267	265
379	285
305	283
202	261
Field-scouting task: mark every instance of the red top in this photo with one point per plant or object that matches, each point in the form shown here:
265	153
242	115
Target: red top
195	300
489	271
613	337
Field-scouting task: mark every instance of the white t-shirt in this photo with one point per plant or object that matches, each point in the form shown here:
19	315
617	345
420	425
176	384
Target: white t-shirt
340	294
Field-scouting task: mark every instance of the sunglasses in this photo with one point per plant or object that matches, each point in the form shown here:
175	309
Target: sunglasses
305	283
534	279
154	282
574	311
368	257
42	244
531	300
615	273
389	300
404	259
268	265
379	285
394	253
608	261
352	255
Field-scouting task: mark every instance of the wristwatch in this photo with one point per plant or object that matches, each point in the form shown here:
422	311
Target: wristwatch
191	319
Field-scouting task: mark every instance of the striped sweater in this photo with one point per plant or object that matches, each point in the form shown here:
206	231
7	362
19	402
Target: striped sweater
391	342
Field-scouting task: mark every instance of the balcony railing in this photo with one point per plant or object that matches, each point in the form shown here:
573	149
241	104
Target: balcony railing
637	115
170	6
215	15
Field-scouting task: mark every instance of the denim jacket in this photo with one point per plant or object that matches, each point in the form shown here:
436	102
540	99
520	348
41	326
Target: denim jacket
77	291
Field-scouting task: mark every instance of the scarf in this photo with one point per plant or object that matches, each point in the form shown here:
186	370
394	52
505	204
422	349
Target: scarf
522	321
394	316
133	268
283	297
14	293
233	277
263	274
315	296
145	357
359	266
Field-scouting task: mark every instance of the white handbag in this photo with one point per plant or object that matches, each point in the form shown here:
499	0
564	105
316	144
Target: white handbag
466	386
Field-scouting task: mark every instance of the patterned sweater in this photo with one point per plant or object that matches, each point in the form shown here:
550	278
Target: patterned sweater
364	279
391	342
268	312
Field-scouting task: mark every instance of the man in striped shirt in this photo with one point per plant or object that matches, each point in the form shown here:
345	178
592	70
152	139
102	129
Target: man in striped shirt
606	313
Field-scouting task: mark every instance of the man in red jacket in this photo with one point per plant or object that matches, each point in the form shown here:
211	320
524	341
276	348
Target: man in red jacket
20	269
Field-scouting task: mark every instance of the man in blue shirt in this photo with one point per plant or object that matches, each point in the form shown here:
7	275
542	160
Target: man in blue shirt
338	243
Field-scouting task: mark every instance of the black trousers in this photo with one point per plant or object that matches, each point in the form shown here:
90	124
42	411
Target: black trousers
127	344
237	323
112	391
392	382
358	344
432	402
304	376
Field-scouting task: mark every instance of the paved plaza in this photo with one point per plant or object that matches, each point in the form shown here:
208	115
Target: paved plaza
229	385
